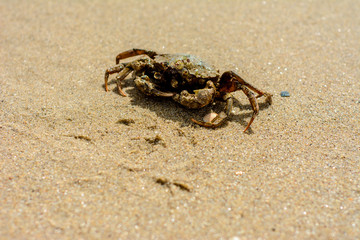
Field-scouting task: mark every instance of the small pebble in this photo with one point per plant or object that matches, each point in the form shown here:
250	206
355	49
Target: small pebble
285	94
209	117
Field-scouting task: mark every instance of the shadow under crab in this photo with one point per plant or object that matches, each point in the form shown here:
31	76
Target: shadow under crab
185	79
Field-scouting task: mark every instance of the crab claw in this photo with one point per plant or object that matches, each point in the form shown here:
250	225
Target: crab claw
212	121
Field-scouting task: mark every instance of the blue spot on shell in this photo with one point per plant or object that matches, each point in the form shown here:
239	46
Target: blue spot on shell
285	94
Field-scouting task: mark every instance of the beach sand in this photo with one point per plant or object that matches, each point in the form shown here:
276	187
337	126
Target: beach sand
77	162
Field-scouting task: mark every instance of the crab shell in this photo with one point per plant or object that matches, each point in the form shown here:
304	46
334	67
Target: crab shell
181	72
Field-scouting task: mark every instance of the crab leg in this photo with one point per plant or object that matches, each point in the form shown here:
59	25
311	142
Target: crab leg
134	52
148	88
217	121
221	117
121	76
112	70
253	102
243	82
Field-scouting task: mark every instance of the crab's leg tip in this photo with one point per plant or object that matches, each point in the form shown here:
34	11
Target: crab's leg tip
248	126
204	124
269	99
121	92
195	121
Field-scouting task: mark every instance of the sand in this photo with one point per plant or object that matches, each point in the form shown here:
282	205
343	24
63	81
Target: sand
81	163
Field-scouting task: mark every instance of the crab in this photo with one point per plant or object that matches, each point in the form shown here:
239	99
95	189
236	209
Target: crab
185	79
